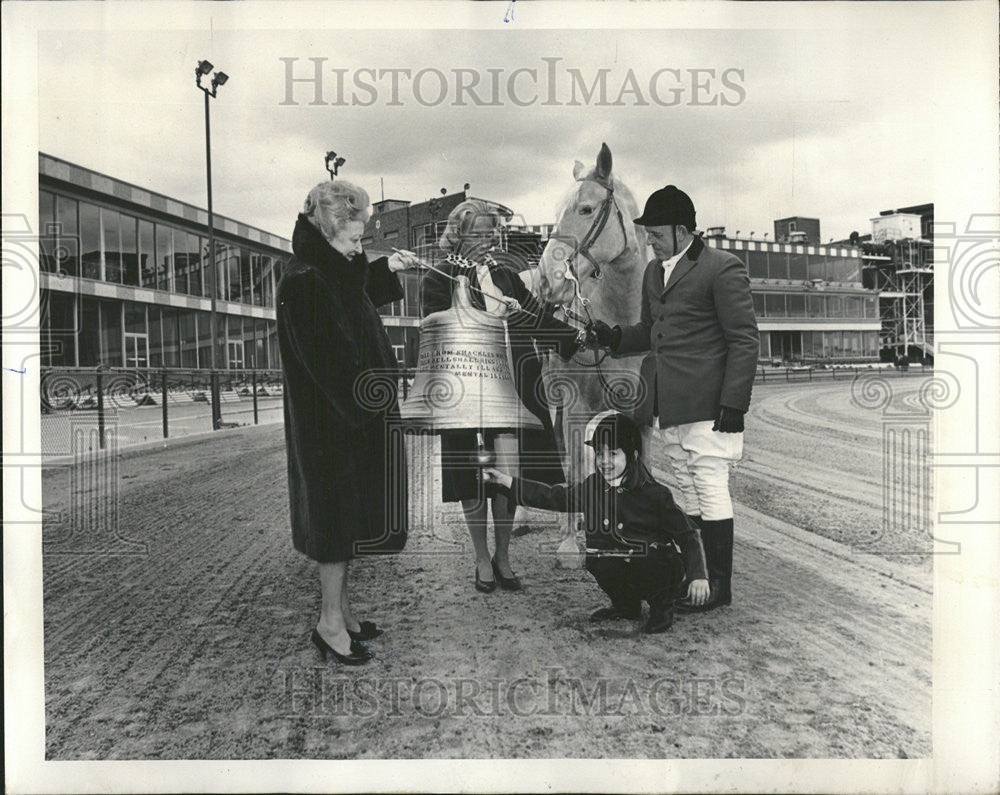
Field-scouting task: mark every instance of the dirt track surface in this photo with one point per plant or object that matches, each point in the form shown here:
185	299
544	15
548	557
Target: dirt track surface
186	636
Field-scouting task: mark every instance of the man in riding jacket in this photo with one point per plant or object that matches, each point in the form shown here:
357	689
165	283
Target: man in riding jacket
698	323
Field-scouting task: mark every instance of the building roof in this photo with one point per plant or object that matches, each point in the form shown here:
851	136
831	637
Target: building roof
63	170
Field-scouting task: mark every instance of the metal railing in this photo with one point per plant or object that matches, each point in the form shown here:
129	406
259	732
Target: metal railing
808	373
127	397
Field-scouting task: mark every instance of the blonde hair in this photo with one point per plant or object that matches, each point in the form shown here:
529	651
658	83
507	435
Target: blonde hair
332	204
462	219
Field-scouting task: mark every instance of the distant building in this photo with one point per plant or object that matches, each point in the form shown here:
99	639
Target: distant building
797	230
810	302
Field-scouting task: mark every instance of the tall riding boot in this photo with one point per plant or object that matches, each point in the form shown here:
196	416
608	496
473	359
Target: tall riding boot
717	538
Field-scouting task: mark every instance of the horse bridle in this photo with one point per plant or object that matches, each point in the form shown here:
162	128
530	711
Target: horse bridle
583	249
593	235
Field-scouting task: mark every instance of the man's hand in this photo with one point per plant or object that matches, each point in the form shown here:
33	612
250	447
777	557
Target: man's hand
606	336
402	260
569	344
730	421
698	592
491	475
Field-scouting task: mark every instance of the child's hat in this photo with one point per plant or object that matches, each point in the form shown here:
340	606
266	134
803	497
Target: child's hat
618	432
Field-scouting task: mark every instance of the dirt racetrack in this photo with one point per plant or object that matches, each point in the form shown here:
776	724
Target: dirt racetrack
184	634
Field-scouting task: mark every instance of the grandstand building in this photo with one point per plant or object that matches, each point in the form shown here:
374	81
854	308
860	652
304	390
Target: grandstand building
125	278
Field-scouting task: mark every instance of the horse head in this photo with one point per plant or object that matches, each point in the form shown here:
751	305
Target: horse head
595	249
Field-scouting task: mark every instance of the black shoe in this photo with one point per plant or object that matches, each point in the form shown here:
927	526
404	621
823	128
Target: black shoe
507	583
485	587
359	654
368	631
660	620
614	613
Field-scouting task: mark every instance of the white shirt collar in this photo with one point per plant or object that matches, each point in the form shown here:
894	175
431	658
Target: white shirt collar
616	481
669	263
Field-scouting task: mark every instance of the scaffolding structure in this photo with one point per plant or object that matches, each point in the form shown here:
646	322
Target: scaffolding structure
902	272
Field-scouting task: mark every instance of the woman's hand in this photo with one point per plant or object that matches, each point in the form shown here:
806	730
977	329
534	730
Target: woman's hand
698	592
491	475
402	260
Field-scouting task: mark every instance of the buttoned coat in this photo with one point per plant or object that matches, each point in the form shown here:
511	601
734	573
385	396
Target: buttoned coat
346	463
701	334
623	517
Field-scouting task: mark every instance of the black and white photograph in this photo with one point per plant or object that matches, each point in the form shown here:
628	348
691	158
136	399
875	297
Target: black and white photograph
497	396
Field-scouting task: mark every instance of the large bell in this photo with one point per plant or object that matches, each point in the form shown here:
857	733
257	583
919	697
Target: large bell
463	378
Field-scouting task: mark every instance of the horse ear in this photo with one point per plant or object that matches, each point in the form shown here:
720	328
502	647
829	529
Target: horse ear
577	170
604	164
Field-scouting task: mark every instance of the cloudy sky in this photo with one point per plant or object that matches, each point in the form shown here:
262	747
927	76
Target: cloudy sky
830	124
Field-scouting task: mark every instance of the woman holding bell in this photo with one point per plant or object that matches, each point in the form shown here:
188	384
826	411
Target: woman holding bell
470	239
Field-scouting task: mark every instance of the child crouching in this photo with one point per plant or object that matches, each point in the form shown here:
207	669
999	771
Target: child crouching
633	526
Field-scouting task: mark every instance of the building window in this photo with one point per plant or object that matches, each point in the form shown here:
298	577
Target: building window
796	304
136	335
260	345
129	250
111	333
90	240
89	339
171	338
834	306
246	277
256	274
777	265
267	286
797	269
189	339
68	251
756	264
47	242
147	255
205	340
816	306
194	264
110	226
58	328
758	304
774	304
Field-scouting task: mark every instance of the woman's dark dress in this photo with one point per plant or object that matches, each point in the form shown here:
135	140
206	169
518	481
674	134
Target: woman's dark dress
346	462
539	457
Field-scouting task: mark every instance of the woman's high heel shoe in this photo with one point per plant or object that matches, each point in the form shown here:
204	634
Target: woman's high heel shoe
507	583
367	631
359	654
485	587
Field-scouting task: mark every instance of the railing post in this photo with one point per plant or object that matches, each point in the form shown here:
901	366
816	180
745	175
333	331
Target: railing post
253	386
163	398
100	409
216	401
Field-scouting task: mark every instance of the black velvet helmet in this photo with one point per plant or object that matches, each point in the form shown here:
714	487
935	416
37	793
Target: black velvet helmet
668	206
618	432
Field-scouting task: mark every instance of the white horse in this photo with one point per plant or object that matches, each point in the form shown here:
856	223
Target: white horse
592	267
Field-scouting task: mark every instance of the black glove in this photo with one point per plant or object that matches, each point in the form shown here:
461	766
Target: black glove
730	421
569	344
606	336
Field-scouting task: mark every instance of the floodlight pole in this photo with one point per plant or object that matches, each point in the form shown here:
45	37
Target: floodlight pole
213	276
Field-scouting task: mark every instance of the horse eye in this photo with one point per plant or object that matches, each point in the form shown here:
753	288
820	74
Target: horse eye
586	210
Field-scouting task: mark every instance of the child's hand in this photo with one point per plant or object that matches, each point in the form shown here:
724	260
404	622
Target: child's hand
698	592
491	475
